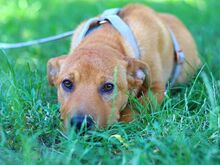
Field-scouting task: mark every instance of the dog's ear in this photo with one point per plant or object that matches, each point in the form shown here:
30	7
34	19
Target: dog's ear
138	75
53	68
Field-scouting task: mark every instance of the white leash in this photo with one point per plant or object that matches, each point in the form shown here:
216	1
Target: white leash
35	42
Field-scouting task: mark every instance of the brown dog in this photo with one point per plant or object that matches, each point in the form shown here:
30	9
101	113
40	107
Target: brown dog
94	79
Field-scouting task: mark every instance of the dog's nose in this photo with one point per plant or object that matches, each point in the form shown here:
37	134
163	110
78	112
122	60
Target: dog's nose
81	120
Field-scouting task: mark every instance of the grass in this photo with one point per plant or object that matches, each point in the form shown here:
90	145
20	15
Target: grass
184	130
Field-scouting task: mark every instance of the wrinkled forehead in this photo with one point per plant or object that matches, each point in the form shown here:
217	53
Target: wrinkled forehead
91	67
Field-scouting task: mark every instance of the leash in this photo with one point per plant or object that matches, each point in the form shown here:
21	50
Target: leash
35	42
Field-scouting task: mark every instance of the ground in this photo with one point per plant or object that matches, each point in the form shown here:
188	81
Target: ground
185	129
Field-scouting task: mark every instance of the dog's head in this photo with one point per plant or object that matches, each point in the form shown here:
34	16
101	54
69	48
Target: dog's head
93	84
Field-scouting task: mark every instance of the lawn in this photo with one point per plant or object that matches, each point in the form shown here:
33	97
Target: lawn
185	129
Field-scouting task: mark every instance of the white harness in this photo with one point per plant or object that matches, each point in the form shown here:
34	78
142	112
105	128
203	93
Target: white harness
111	16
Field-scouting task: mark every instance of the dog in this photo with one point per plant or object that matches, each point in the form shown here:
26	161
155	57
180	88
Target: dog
105	64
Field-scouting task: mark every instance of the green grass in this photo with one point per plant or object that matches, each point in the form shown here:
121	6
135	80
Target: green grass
184	130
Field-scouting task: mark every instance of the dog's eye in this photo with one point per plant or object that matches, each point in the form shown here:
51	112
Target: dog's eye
107	88
67	85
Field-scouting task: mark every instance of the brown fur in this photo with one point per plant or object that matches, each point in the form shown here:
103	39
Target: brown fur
94	60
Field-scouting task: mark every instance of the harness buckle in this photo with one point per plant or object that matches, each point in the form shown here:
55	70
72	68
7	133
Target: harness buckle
180	57
102	21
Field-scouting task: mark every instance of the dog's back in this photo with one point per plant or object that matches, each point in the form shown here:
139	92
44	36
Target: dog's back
152	31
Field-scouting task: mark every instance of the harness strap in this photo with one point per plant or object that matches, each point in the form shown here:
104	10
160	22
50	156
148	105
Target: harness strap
179	60
111	17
